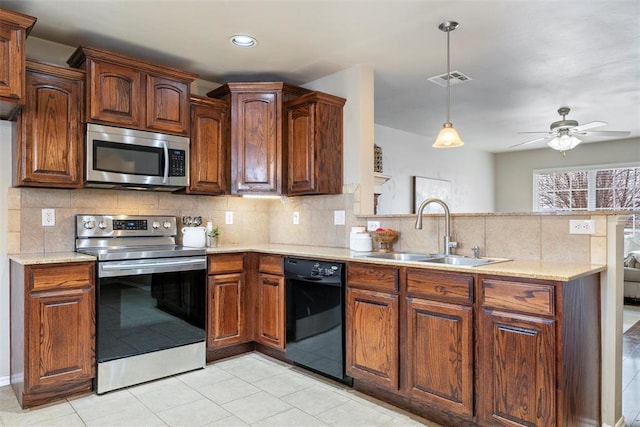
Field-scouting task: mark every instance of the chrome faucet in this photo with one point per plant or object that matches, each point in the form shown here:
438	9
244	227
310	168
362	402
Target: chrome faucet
448	244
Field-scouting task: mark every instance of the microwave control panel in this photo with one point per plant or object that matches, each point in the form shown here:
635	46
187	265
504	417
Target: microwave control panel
177	163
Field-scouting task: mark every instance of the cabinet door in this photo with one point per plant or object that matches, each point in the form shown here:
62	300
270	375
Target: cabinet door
372	337
50	131
209	142
301	140
440	355
271	327
115	94
226	322
60	347
255	143
516	366
167	105
13	31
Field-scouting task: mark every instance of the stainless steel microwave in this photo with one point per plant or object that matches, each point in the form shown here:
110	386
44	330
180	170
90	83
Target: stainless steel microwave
127	158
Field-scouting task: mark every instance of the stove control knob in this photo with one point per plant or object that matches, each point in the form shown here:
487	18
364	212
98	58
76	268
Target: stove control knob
167	224
89	224
102	225
155	225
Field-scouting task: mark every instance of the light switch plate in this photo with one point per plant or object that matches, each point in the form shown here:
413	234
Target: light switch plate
296	218
373	225
339	217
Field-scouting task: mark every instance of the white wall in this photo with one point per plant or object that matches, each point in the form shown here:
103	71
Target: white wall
6	135
405	155
356	86
514	170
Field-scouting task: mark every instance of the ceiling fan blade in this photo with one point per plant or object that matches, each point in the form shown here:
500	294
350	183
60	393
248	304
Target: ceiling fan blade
606	133
527	142
586	126
534	132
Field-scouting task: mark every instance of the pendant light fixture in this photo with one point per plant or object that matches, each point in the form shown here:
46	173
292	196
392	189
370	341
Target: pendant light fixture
448	136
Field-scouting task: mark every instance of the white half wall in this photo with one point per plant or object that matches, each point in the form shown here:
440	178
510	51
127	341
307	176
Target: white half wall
405	154
355	84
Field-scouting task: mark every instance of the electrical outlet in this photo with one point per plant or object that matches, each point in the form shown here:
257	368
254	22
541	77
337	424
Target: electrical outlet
581	226
339	217
373	225
228	217
296	218
48	217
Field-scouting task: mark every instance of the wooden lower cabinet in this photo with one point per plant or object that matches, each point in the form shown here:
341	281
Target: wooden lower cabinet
539	352
52	331
270	325
226	301
518	370
440	355
372	331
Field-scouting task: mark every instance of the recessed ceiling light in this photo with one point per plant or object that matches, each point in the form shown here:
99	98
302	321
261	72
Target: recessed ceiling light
242	40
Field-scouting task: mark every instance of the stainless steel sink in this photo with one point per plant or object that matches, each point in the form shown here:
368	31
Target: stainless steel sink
462	260
403	256
436	258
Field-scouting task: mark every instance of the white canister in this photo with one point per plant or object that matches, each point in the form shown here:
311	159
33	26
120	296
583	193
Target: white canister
355	231
361	242
193	237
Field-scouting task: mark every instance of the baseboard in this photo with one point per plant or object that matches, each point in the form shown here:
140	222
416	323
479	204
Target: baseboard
5	380
619	423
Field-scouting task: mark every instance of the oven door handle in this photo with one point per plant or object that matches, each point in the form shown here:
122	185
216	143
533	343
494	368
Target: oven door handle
165	177
127	268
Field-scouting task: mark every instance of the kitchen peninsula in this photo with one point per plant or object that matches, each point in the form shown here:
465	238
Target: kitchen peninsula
532	305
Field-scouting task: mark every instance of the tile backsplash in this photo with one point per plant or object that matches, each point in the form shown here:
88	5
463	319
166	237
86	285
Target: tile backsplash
259	221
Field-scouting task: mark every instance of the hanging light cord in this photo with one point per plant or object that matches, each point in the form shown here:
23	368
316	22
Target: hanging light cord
448	79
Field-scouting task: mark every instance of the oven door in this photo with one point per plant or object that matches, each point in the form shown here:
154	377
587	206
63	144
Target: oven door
145	306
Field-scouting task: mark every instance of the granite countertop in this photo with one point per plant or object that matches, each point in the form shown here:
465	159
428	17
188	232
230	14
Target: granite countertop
50	258
544	270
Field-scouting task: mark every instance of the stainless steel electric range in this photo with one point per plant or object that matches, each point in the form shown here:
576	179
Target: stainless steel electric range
150	298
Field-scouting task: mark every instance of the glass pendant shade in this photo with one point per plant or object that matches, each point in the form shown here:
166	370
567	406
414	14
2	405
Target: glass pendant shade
448	137
564	142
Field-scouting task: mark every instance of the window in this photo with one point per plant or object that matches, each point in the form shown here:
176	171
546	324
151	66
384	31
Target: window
590	189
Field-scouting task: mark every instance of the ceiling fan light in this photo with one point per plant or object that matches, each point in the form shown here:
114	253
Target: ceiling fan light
564	142
448	137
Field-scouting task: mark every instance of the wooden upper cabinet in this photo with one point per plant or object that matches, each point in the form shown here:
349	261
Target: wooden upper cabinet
49	144
124	91
167	110
314	144
114	92
14	28
209	173
257	156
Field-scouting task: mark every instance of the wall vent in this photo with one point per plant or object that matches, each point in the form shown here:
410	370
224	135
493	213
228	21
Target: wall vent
456	78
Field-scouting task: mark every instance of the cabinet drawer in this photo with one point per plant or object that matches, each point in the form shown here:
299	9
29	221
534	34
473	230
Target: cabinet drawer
384	279
56	276
534	298
220	264
271	264
447	287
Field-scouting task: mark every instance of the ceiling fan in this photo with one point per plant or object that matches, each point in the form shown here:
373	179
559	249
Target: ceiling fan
562	136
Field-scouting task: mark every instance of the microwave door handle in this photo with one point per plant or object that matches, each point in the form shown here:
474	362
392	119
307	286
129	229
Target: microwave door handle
165	178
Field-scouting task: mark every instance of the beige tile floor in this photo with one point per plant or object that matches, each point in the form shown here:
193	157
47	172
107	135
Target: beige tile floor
248	390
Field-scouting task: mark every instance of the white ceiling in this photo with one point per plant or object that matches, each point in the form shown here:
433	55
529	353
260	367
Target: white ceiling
526	58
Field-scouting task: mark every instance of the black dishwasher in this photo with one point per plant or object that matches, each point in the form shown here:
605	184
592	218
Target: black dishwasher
315	293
